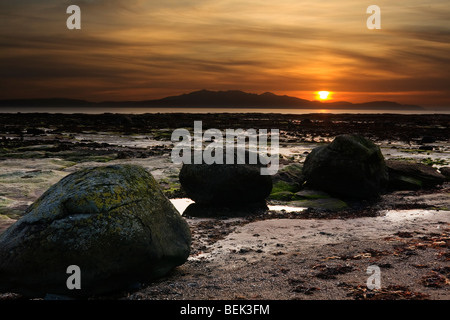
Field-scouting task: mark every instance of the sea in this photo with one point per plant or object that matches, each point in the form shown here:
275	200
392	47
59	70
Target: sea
121	110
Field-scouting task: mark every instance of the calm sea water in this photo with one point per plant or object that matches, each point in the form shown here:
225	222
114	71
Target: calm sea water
212	110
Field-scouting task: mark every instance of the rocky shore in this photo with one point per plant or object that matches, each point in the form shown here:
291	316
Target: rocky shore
308	244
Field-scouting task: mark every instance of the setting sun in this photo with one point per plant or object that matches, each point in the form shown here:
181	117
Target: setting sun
323	95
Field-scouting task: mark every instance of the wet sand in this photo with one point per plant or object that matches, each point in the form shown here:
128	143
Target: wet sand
314	259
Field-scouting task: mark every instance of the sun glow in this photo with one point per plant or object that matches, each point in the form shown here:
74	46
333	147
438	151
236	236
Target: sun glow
323	95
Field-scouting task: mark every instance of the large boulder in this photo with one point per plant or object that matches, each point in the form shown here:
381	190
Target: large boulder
404	175
351	166
225	184
113	222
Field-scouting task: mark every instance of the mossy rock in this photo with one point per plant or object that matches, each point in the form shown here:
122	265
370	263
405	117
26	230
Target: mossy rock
306	194
405	175
283	186
4	202
290	178
282	196
401	182
113	222
293	169
445	171
310	194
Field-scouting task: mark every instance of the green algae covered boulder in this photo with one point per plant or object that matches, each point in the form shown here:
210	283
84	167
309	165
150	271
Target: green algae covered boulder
287	182
113	222
404	175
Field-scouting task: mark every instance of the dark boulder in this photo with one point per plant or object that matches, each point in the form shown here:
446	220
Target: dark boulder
404	175
446	172
351	166
225	184
428	139
113	222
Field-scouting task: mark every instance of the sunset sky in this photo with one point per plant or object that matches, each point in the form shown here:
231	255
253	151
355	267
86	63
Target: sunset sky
147	49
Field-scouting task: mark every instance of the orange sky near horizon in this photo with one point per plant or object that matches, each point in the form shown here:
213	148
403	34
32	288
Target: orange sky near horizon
138	49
